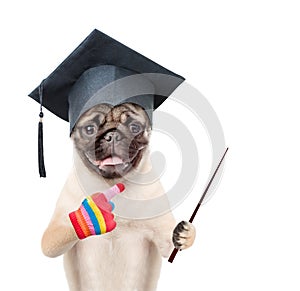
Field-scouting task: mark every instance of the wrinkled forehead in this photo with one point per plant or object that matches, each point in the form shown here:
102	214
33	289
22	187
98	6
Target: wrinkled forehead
119	114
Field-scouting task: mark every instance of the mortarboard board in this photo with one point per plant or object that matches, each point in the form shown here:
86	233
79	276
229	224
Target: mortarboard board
102	70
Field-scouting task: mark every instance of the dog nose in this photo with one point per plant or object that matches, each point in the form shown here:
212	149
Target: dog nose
113	136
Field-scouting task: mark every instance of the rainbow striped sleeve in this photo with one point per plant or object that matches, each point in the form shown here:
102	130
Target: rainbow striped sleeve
89	219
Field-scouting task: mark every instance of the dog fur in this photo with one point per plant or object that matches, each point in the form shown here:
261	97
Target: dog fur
128	258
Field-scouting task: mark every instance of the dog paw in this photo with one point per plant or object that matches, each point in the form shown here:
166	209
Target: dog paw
184	235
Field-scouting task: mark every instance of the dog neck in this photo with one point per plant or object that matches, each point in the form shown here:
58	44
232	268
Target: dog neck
143	190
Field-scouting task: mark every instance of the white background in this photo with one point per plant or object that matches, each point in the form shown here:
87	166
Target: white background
243	56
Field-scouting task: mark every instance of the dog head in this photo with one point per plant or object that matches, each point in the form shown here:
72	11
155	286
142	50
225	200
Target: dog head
111	140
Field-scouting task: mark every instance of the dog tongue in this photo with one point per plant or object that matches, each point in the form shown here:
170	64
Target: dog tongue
111	161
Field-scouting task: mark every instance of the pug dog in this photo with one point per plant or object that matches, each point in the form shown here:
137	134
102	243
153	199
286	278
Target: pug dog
111	146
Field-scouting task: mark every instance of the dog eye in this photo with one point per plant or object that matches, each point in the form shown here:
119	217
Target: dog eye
90	130
135	128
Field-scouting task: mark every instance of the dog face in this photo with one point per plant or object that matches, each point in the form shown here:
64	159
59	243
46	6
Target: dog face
111	140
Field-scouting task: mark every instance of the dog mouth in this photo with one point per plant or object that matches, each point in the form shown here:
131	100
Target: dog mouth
112	164
109	161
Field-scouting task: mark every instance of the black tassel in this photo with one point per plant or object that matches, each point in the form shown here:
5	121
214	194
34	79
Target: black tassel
42	170
41	148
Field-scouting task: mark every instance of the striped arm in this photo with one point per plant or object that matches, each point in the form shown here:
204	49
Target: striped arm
90	219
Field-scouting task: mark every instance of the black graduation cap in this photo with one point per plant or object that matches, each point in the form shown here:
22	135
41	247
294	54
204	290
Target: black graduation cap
102	70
